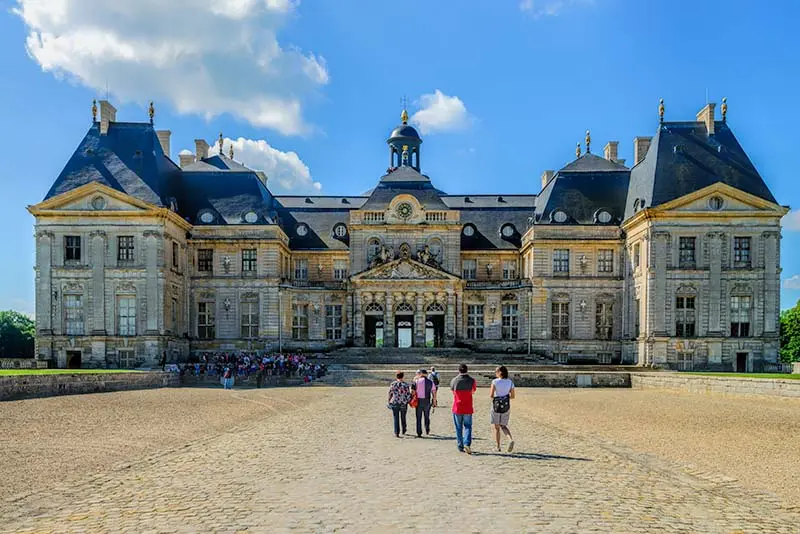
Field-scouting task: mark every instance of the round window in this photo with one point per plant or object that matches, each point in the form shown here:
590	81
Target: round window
251	217
560	216
469	230
302	230
207	217
715	203
603	217
340	230
435	248
405	210
508	230
98	203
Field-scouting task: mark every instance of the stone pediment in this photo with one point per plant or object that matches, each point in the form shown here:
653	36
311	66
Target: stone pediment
404	269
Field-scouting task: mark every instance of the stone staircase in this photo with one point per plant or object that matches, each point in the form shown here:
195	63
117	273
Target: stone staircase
432	356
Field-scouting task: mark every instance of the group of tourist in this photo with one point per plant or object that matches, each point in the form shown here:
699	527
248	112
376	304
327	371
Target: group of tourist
422	392
231	366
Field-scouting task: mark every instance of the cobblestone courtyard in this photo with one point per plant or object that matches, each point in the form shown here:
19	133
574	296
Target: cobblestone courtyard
322	459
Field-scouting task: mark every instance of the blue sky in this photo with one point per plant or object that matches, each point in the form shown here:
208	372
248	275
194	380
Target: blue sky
502	89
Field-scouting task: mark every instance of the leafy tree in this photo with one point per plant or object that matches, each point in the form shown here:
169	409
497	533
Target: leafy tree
790	334
16	335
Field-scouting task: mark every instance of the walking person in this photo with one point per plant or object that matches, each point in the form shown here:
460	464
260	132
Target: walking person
426	393
434	376
463	387
399	396
227	378
501	393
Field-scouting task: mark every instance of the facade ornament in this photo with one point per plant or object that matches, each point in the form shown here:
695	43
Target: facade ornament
588	142
226	264
582	305
489	268
577	150
724	108
126	287
661	111
230	151
98	233
72	287
207	295
151	111
405	251
584	262
94	110
221	141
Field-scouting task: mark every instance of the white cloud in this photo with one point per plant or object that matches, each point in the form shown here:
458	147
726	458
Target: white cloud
791	221
792	283
205	57
549	8
285	171
441	113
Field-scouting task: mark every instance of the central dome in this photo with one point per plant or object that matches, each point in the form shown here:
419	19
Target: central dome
404	130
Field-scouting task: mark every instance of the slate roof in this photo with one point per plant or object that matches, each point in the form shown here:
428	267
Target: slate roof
316	202
128	158
683	158
229	195
217	162
320	224
489	201
427	195
583	188
487	223
404	174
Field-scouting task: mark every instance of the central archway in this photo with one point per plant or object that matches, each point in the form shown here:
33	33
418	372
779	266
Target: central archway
404	325
434	325
373	325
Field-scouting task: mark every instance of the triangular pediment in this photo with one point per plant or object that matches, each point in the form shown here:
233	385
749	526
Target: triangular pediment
94	197
732	200
404	269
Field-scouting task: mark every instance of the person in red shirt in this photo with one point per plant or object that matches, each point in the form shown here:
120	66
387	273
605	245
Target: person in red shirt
463	387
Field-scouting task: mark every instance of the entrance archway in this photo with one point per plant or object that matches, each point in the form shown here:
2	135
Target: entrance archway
434	325
373	325
404	325
73	359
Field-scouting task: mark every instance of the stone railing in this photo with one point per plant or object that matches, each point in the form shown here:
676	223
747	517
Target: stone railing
48	385
499	284
721	385
318	284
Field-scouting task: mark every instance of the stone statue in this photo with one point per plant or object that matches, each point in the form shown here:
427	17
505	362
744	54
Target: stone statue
425	255
384	255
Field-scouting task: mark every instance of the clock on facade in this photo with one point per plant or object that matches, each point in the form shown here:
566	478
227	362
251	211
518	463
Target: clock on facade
404	210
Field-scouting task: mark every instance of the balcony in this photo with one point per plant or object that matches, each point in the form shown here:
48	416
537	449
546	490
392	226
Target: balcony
316	284
520	283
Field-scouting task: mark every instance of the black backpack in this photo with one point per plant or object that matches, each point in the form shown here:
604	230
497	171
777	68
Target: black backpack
501	404
435	379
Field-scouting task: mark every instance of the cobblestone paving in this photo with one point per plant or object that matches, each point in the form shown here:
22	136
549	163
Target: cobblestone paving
325	460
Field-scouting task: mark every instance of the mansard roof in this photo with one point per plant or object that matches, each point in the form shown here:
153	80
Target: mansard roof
128	159
319	223
217	162
588	162
684	158
428	196
228	195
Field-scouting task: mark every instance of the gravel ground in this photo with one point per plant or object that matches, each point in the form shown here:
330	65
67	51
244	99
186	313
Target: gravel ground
751	440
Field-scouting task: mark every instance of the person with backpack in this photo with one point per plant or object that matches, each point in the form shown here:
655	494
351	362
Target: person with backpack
399	397
434	376
501	393
463	387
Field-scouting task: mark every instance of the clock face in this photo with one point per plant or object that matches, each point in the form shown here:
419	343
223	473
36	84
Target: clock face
405	210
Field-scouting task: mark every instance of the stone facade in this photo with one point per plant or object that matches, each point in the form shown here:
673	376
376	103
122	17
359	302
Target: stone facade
585	271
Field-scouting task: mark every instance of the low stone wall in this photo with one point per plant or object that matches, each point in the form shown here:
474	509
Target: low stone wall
22	363
32	386
525	379
717	384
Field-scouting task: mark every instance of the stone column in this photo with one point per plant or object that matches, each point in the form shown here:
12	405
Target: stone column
358	319
388	327
771	282
419	320
98	240
659	295
450	318
715	283
151	269
44	282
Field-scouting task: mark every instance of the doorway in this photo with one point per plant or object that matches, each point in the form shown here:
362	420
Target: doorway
434	331
73	359
373	330
405	333
741	362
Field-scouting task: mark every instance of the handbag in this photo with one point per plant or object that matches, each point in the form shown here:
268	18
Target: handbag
414	402
501	404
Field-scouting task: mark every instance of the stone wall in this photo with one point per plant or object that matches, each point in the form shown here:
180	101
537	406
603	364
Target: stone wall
22	363
717	384
32	386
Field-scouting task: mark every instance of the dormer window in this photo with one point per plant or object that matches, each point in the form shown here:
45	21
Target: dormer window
603	217
302	229
308	201
715	203
206	217
469	230
559	216
340	231
508	230
250	217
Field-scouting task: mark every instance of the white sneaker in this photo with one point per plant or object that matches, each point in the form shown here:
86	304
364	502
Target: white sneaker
511	446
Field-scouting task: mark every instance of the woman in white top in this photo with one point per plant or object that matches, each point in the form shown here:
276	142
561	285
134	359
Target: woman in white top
501	393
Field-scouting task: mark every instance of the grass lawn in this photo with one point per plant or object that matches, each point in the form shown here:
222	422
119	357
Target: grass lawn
20	372
783	376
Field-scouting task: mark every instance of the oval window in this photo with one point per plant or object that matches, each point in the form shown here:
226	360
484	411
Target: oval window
340	230
715	203
98	203
603	217
560	216
508	230
302	230
251	217
469	230
207	217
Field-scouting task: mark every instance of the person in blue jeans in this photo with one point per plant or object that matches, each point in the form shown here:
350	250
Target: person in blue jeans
463	387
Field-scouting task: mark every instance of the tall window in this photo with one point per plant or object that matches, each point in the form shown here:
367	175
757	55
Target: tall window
510	326
333	321
205	320
127	358
560	319
205	260
125	248
475	321
561	261
637	255
72	248
469	269
301	269
126	316
174	314
339	269
685	317
740	316
73	315
687	255
741	252
509	270
175	254
373	249
435	248
685	361
604	320
249	260
299	321
637	310
250	319
605	261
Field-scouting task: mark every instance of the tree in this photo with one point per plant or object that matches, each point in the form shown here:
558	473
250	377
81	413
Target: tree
16	335
790	334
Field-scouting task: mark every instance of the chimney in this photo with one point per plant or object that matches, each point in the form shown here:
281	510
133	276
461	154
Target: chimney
546	177
108	114
163	138
186	158
640	147
706	115
610	150
200	149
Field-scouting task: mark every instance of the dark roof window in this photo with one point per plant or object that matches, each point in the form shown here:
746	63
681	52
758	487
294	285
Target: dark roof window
603	216
206	217
302	229
309	201
469	230
508	230
558	216
339	231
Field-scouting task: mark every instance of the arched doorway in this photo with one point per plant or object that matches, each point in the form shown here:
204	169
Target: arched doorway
434	325
404	324
373	325
73	359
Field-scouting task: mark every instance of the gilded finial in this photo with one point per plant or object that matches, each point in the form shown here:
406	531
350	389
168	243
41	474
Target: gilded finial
220	144
404	117
577	150
151	111
230	151
588	142
724	109
94	110
661	110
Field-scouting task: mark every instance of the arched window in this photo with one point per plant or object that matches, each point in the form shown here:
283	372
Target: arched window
373	308
373	248
436	249
404	308
435	308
